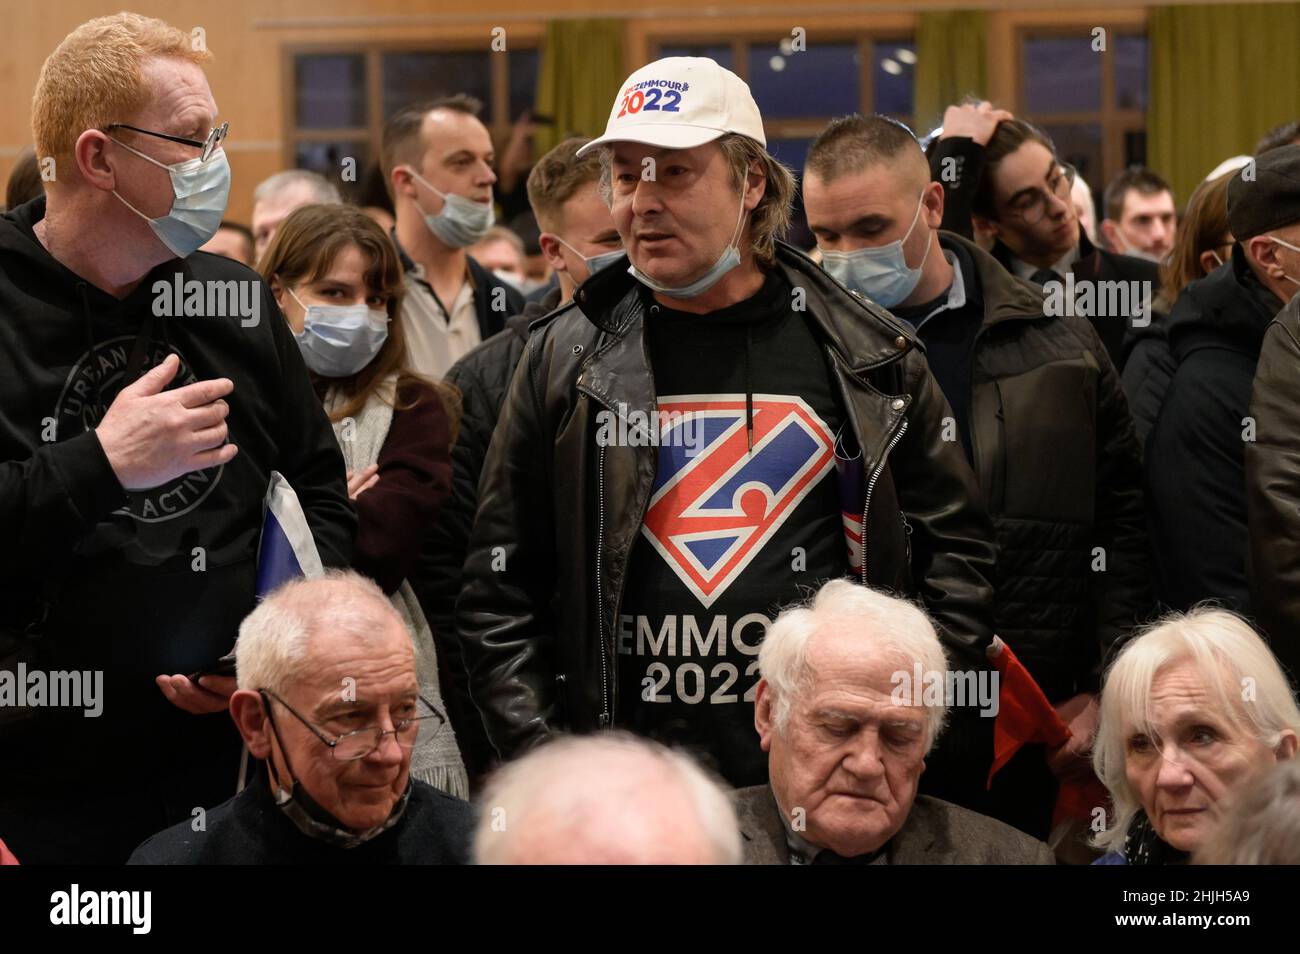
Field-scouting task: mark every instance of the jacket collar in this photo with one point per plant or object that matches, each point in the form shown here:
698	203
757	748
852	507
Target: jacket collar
1005	297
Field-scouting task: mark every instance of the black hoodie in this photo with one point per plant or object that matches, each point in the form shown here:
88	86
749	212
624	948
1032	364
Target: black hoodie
150	582
1195	454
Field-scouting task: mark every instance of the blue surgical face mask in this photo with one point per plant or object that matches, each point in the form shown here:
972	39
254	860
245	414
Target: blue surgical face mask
337	341
880	274
462	221
199	194
728	260
594	263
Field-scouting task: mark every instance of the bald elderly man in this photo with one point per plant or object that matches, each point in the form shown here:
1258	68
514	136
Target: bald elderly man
608	799
846	731
329	702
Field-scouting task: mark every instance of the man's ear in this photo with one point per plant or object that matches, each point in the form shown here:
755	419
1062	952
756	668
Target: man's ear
1113	238
933	199
1207	261
89	153
250	719
756	180
402	181
763	716
1263	251
550	245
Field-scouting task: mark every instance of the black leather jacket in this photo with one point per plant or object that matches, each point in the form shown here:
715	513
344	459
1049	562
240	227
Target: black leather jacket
559	513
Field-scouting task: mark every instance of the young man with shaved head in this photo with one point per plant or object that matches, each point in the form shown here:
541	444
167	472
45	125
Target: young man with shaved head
1036	402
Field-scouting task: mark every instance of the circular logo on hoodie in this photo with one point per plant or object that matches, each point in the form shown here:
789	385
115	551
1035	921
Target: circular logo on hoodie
80	408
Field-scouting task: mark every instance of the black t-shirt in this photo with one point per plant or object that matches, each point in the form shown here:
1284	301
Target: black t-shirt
730	535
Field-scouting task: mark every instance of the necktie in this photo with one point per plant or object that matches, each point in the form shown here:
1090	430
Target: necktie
1045	275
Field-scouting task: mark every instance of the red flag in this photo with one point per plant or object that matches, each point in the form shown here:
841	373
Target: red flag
1024	714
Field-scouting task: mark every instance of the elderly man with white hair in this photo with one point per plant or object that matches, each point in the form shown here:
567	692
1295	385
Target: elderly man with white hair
611	799
328	699
847	741
1190	711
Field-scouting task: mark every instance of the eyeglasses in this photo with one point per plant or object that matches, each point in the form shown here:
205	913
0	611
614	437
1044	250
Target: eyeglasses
1033	207
215	136
359	743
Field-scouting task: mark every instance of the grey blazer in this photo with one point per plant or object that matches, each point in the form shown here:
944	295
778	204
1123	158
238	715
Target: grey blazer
935	833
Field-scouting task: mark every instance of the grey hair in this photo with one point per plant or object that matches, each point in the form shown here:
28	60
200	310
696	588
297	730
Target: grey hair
897	628
548	784
323	191
1261	822
1227	654
770	219
274	640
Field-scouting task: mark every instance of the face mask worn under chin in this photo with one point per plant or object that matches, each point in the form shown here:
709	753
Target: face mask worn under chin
880	274
313	820
728	260
1286	244
199	194
594	263
461	222
337	341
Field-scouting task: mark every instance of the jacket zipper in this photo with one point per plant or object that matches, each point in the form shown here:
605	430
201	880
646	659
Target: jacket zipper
606	717
871	486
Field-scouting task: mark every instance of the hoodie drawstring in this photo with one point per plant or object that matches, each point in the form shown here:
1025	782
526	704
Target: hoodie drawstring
91	347
749	385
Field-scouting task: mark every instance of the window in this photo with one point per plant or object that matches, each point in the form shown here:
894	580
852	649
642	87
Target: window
800	91
1091	102
340	98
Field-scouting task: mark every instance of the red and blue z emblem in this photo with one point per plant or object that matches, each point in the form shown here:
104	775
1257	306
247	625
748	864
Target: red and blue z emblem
715	504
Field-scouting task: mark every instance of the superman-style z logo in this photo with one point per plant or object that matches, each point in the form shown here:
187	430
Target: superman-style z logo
715	504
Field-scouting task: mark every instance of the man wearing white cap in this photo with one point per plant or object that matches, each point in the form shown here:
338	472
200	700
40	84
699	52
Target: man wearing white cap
694	441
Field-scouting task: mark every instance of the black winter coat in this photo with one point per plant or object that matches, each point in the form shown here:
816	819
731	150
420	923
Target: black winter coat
1059	465
1273	487
1195	467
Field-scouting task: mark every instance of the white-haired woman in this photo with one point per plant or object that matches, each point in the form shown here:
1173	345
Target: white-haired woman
1190	710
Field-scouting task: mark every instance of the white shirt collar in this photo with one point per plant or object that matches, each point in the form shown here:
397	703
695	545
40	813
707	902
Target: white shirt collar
956	291
1062	266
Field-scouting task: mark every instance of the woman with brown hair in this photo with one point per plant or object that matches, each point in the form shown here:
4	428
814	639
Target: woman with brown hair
338	280
1203	243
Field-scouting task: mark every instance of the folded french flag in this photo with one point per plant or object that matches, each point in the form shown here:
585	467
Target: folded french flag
287	549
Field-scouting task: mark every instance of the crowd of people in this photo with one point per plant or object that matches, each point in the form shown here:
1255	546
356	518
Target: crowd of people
637	534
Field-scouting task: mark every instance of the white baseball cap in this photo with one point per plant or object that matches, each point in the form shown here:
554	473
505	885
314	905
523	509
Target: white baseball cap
681	102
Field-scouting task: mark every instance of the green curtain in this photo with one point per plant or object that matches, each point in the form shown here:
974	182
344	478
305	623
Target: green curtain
578	77
1221	76
950	63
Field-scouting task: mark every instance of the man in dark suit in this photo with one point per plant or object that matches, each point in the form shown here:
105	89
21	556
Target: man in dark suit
1002	177
851	700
